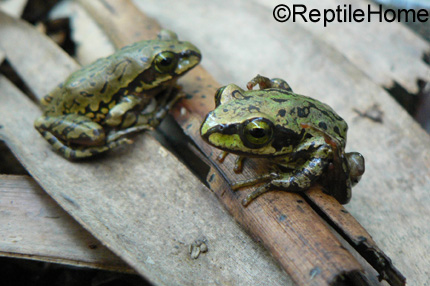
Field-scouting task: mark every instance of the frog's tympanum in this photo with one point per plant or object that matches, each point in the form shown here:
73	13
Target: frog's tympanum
304	137
97	106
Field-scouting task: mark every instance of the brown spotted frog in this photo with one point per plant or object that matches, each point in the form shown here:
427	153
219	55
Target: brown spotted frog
96	107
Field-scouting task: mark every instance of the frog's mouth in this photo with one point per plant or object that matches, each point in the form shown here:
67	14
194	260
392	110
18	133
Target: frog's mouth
233	144
220	129
226	137
211	126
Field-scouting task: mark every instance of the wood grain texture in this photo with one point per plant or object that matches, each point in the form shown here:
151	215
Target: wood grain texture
13	7
119	14
346	225
12	32
35	227
318	257
139	201
386	52
314	273
240	40
143	216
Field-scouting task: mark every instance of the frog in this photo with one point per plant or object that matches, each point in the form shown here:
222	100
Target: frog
98	107
302	138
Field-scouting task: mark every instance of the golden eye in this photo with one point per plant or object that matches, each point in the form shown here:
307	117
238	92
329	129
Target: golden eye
257	132
218	96
165	62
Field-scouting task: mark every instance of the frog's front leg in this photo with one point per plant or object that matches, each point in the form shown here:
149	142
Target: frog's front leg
134	121
238	165
87	137
116	113
137	119
162	109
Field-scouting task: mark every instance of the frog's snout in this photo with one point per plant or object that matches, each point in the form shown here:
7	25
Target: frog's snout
213	130
211	126
188	59
207	126
192	53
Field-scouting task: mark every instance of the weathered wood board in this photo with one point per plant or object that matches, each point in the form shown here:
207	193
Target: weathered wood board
162	221
303	263
170	251
387	53
317	75
35	227
240	40
13	7
324	271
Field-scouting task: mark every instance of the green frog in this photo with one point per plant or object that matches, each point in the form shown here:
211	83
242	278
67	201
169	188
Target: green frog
132	90
303	137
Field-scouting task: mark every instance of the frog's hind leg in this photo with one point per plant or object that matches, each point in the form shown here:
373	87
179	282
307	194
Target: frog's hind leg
265	83
254	181
63	132
297	181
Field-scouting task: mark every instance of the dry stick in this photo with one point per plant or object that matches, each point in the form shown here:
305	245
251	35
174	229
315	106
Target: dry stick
346	225
257	217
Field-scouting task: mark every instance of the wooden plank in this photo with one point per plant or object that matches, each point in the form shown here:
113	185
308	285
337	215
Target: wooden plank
344	223
321	83
35	227
340	264
120	12
30	70
314	259
397	151
143	216
384	266
13	7
388	53
84	32
131	199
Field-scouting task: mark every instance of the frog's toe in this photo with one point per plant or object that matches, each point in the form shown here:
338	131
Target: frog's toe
250	182
238	167
258	192
221	157
119	142
242	184
260	80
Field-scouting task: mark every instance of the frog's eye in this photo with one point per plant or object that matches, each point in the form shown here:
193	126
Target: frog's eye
256	132
165	62
218	96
